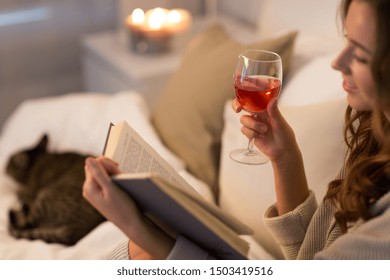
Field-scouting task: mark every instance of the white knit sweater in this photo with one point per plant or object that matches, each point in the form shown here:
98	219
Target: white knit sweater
311	233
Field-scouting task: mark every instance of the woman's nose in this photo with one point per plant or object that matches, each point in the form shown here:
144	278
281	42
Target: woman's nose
341	62
334	63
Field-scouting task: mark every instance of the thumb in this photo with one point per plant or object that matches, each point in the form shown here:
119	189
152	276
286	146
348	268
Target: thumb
236	105
274	113
272	108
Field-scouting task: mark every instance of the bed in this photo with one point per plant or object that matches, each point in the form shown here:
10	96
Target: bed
311	100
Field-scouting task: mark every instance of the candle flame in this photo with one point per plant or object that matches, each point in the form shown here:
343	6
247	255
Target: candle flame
157	18
138	16
174	16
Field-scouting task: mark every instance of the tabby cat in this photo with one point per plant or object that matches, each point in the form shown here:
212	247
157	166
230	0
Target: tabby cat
52	206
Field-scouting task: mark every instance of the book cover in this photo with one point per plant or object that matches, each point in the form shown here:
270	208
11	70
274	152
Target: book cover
178	213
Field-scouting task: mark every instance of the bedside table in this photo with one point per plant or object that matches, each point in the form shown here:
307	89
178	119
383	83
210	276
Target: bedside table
110	66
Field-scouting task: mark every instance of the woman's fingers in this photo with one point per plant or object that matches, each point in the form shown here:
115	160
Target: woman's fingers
89	187
111	166
253	128
98	171
96	181
236	106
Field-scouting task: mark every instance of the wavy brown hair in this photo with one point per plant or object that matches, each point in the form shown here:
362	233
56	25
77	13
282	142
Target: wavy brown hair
367	135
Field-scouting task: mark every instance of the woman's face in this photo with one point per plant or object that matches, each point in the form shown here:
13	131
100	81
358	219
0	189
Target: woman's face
354	61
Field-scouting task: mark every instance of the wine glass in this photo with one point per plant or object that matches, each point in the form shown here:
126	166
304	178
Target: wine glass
257	80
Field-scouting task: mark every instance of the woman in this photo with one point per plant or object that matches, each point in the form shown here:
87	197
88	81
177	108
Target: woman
356	202
352	222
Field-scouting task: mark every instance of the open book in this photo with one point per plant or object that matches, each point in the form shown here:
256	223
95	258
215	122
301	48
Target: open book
168	200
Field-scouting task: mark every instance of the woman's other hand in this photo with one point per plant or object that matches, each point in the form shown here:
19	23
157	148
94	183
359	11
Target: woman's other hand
119	208
108	199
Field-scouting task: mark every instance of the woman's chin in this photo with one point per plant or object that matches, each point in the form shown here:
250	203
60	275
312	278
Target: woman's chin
357	103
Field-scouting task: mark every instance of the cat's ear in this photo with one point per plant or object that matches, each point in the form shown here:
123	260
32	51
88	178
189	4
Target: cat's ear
42	145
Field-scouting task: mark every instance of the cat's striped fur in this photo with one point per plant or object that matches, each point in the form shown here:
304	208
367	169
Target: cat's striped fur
52	207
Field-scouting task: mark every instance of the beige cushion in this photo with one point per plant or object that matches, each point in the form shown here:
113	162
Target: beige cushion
188	115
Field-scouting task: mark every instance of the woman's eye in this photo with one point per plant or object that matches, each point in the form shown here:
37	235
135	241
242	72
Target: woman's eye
360	59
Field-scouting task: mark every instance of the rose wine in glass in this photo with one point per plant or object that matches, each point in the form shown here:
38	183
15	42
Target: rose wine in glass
257	80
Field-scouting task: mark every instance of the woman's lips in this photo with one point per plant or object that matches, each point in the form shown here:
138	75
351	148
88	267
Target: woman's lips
349	87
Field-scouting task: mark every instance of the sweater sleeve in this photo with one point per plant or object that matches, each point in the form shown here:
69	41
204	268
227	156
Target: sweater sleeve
121	252
367	240
183	249
289	230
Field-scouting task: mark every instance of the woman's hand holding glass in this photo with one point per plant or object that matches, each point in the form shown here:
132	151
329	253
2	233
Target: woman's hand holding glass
272	135
257	80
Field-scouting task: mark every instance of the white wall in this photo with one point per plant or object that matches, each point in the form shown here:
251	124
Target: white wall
234	8
40	52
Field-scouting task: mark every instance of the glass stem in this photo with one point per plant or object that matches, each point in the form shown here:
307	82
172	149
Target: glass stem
251	144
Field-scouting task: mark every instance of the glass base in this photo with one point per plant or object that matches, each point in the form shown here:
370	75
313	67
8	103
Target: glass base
245	156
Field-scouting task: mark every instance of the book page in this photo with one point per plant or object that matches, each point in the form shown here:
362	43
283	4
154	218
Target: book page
134	155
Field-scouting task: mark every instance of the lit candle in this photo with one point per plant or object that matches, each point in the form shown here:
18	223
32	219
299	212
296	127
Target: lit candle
159	19
157	23
138	16
156	19
174	17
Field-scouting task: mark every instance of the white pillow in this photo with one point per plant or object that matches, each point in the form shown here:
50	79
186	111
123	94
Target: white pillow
314	82
246	191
